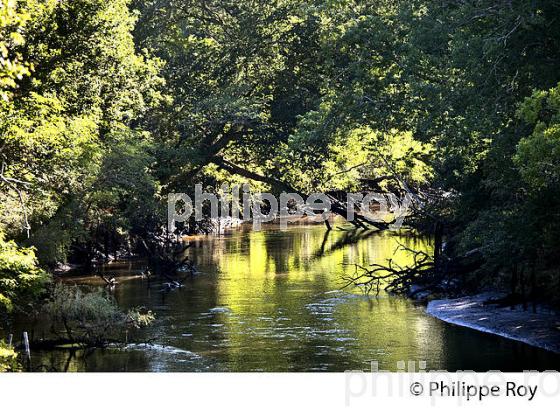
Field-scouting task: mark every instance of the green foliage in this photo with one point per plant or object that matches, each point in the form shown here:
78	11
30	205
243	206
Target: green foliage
91	317
521	233
357	154
538	155
295	87
21	280
8	358
63	125
13	18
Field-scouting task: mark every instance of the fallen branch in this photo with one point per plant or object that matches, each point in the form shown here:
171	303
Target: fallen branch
425	271
392	277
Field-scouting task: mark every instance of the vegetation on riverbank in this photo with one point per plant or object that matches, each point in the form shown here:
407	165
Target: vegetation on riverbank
106	107
90	318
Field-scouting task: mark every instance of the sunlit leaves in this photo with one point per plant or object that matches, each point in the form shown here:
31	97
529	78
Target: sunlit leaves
538	155
21	280
13	18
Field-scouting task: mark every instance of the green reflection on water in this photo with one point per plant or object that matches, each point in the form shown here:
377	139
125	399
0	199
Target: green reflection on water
283	285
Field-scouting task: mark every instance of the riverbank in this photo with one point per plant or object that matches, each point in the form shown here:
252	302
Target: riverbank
540	328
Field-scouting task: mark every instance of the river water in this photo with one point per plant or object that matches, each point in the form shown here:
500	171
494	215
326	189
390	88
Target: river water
272	301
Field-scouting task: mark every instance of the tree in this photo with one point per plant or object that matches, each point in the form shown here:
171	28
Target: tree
21	280
86	92
13	18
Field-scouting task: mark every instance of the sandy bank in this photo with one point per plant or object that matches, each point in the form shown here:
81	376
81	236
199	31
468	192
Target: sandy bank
540	329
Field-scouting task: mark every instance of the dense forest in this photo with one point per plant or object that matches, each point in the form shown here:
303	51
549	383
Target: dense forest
108	106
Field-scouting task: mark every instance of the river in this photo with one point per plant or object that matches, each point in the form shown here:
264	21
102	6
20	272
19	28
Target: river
272	301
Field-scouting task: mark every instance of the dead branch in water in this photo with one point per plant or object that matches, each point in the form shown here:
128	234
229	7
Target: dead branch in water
431	272
392	277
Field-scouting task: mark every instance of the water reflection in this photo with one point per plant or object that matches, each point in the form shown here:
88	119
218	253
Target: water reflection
271	301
